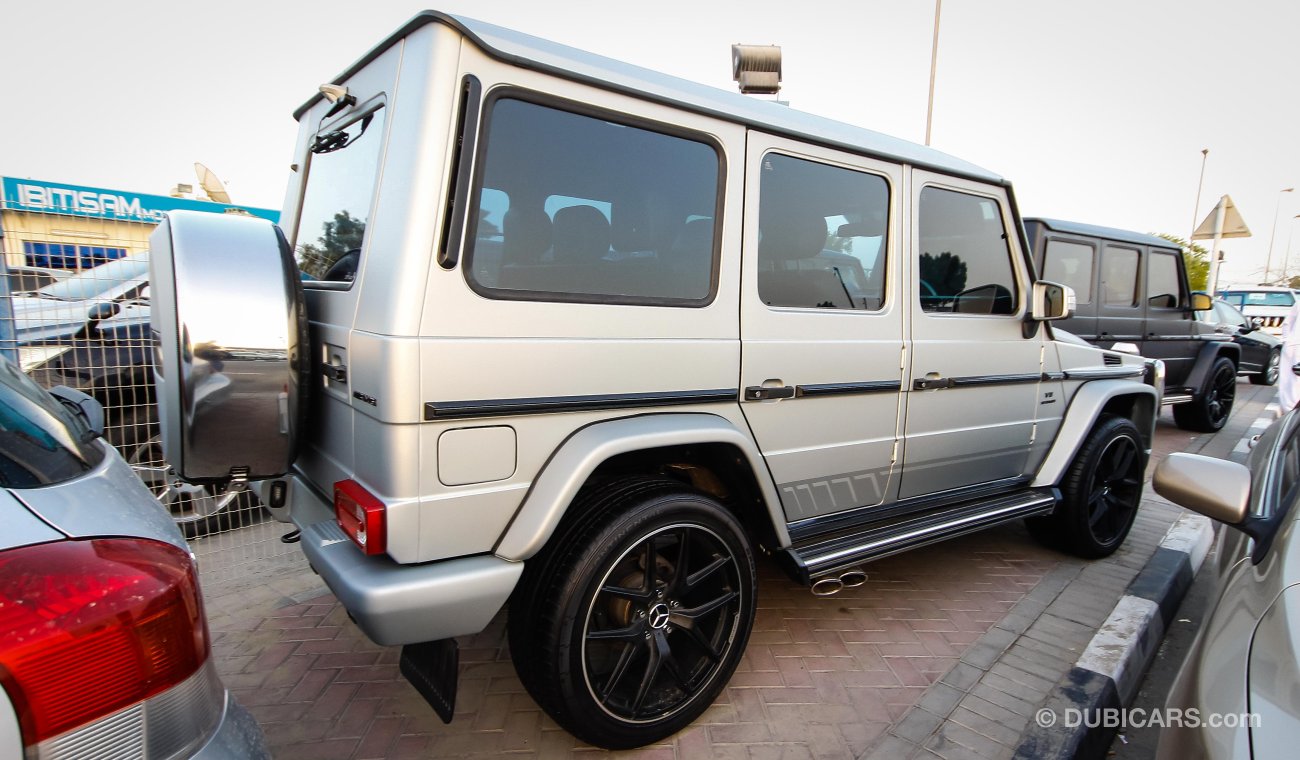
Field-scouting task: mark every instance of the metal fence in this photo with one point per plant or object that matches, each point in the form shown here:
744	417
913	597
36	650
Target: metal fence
79	317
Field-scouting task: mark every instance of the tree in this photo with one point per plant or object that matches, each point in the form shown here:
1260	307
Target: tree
339	236
1195	258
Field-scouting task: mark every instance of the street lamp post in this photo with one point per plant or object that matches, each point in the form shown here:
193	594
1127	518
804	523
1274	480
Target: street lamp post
1196	210
934	60
1268	262
1286	263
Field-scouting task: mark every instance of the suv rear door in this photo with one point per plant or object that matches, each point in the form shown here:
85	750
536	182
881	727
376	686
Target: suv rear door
973	376
822	323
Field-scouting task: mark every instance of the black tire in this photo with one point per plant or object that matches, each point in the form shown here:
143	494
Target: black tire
1100	493
1210	410
1271	370
619	657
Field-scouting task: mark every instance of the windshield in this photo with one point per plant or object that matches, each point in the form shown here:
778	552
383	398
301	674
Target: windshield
1259	298
41	442
101	279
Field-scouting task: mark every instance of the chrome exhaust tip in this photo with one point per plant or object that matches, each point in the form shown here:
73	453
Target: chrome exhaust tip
827	586
831	585
853	577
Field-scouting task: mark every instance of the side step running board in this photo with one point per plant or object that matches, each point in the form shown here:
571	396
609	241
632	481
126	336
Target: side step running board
883	538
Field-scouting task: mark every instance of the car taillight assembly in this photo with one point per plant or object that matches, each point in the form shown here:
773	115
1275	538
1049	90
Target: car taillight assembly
361	516
89	627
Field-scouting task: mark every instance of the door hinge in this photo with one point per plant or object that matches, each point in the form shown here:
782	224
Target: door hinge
335	372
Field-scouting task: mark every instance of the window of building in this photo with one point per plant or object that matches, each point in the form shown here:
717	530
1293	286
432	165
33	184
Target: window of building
1119	276
1164	288
574	207
821	235
1070	264
965	263
336	202
69	256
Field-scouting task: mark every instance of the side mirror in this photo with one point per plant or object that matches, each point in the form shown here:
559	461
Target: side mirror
1051	301
1202	302
86	407
1216	488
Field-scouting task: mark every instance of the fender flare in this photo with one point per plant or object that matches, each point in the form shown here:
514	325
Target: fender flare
1085	408
1205	360
578	457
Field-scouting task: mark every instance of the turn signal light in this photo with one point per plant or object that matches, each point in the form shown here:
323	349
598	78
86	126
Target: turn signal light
361	516
90	627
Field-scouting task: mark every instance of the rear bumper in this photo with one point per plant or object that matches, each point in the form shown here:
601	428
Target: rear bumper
238	737
406	604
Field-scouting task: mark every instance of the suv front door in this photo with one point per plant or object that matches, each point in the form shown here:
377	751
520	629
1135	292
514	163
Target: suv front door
973	377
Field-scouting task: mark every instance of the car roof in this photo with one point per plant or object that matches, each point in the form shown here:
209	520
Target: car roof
1107	233
531	52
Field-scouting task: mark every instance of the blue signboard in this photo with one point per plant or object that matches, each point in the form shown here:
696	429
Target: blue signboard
57	198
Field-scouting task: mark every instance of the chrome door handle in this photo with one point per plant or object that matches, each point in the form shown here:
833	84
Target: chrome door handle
768	393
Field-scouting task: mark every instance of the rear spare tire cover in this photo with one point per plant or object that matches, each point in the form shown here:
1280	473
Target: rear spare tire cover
231	349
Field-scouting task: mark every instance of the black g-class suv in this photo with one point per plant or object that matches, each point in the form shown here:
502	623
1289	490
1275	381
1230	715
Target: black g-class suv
1133	297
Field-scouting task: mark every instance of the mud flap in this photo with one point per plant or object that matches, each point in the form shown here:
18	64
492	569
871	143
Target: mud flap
431	667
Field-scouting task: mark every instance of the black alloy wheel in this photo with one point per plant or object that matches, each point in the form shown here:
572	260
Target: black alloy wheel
1114	490
654	640
1100	492
1211	410
631	620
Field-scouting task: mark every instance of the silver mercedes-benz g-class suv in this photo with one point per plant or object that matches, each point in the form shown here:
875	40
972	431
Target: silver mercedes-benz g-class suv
545	331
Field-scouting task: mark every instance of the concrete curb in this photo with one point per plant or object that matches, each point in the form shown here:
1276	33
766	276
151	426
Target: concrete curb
1108	673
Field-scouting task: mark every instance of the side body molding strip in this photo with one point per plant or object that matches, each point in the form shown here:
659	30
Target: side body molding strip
559	481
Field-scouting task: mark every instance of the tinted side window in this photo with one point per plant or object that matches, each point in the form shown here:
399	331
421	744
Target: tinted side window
821	235
572	207
1164	290
965	263
1119	275
1070	264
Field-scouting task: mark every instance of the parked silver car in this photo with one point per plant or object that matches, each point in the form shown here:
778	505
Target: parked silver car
103	642
1242	672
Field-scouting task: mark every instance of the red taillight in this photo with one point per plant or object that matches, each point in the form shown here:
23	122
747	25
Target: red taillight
361	516
90	627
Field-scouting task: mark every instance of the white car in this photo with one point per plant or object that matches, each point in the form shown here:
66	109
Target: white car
1267	306
113	293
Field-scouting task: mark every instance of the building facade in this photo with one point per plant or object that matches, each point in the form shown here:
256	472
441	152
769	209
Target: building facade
62	226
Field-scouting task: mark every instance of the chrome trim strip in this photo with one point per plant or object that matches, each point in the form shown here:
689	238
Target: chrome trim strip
1104	373
450	410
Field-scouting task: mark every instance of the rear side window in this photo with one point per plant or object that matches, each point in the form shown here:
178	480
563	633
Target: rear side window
1119	276
41	442
1164	289
335	208
577	207
965	264
1070	264
821	235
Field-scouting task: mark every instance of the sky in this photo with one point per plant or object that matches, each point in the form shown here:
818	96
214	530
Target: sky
1096	110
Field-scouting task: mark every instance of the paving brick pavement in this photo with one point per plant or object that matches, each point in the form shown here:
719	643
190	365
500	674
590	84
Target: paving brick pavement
946	651
821	678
